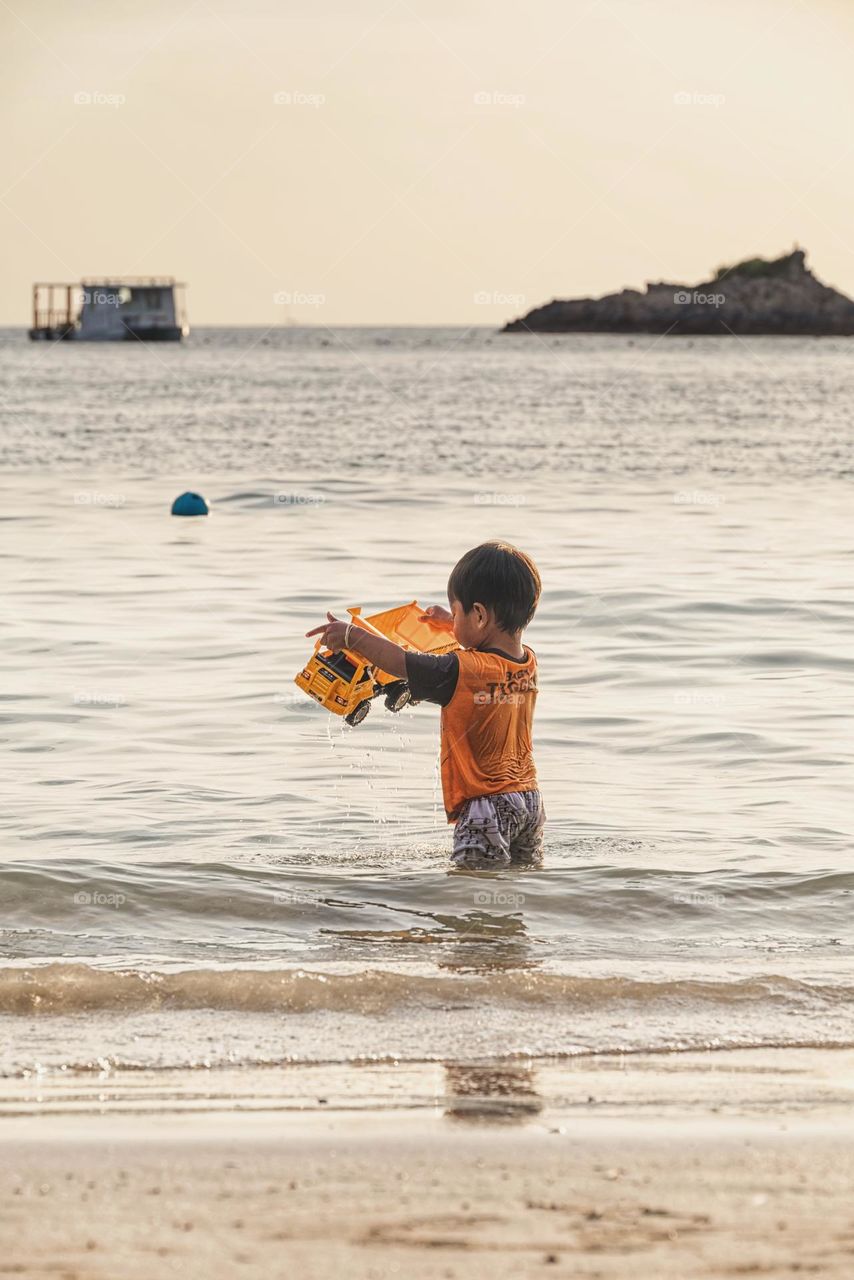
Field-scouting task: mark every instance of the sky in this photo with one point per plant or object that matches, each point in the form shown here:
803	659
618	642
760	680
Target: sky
419	161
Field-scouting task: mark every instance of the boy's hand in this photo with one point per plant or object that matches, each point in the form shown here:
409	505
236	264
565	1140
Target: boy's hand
332	632
380	652
439	616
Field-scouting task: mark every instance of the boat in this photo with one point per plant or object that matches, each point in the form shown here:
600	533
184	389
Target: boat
113	309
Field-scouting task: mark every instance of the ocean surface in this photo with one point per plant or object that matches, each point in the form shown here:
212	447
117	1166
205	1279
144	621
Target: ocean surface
200	867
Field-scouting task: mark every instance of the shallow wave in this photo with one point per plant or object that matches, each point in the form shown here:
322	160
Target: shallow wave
74	886
77	988
200	915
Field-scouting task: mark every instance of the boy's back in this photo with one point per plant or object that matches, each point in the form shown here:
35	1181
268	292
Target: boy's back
487	719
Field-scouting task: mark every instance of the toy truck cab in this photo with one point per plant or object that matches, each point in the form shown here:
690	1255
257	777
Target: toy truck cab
346	683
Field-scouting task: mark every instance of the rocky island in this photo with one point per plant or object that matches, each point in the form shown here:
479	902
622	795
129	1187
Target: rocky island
757	296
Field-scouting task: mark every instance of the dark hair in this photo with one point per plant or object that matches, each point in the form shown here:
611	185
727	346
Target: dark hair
501	577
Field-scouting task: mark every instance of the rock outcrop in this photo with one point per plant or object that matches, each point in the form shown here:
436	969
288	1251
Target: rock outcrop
753	297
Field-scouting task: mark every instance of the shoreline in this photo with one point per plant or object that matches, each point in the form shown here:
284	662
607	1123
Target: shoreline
747	1082
701	1164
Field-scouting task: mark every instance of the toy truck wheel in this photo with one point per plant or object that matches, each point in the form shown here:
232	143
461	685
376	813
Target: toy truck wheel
398	697
358	713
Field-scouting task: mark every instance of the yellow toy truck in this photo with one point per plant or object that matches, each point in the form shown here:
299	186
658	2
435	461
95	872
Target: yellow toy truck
345	683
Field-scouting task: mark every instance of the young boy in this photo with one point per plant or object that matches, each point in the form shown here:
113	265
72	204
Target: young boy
487	692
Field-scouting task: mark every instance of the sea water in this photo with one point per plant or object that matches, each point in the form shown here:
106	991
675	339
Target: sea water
199	866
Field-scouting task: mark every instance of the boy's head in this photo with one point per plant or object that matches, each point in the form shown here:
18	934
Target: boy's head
494	586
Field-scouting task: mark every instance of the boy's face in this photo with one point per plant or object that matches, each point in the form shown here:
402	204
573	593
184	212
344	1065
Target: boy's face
469	628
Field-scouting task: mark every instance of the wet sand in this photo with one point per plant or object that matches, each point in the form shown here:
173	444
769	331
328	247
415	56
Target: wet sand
691	1165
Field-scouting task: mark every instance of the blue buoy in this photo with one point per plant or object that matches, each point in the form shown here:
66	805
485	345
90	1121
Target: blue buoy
189	504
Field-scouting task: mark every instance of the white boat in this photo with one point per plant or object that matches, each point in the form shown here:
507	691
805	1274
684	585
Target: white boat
115	309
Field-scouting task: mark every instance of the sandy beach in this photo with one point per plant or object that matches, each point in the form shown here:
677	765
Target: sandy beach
708	1165
427	699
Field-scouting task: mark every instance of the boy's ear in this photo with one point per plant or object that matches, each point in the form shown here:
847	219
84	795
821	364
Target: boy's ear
481	613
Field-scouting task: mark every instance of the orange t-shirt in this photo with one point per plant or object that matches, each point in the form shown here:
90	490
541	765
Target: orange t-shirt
486	728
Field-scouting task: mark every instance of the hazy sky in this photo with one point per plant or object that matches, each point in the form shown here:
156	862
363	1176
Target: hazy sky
419	161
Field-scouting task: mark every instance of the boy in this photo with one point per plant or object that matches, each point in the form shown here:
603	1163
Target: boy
486	691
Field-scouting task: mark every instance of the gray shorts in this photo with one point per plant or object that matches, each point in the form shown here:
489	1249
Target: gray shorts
493	831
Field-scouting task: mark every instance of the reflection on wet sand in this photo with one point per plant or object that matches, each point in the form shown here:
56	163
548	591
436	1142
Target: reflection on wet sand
498	1092
490	942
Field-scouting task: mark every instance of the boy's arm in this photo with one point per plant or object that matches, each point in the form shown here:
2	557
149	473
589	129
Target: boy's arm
382	653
